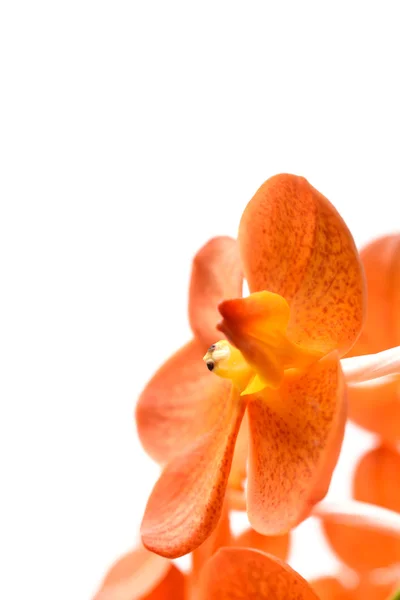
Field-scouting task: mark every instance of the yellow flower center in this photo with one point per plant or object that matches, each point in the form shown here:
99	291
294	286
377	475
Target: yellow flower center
262	352
228	362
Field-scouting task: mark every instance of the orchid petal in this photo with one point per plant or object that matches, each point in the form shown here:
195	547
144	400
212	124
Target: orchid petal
238	472
295	439
362	369
360	548
142	575
294	243
363	535
243	573
186	502
381	261
277	545
179	404
376	479
376	407
362	514
330	588
221	536
216	275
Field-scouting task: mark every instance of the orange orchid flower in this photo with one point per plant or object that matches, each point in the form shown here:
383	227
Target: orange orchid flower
143	575
280	361
377	407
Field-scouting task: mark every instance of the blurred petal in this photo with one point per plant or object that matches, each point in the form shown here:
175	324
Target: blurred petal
329	588
394	594
363	369
369	590
295	439
294	243
361	548
364	536
243	573
377	481
354	512
277	545
186	502
238	472
236	499
142	575
377	478
381	260
376	407
180	403
216	275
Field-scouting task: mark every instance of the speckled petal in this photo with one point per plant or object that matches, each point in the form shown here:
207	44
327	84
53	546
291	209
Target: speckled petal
293	242
216	275
221	536
142	575
295	439
381	261
179	404
186	502
240	573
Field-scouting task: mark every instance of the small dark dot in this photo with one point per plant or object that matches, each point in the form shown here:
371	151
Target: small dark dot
211	348
210	365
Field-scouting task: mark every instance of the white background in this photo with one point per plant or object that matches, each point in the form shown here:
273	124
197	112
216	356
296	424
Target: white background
130	133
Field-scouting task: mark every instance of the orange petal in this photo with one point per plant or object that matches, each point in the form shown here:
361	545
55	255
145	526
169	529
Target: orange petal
141	575
221	536
376	407
362	548
295	439
294	243
381	260
277	545
368	590
216	275
186	502
329	588
180	403
238	472
377	481
377	478
243	573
